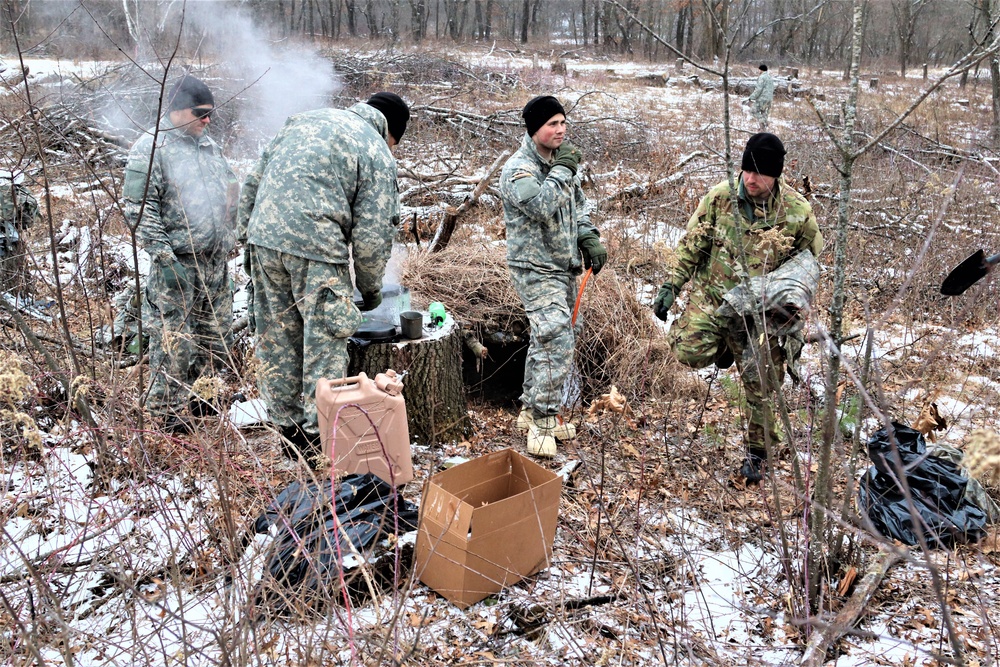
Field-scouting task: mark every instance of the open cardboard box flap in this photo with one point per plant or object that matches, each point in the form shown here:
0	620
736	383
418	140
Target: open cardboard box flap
486	524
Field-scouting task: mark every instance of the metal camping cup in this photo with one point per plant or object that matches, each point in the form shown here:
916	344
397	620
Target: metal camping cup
411	323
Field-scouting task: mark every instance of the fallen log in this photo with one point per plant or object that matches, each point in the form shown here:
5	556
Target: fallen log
823	638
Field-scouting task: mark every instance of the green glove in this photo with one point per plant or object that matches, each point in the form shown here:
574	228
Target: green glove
594	253
246	260
567	155
175	275
664	299
371	300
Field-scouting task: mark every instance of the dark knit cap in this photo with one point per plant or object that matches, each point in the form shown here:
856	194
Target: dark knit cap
763	67
395	110
189	92
764	154
539	110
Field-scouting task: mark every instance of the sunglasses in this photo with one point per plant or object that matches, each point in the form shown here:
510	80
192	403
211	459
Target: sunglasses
202	112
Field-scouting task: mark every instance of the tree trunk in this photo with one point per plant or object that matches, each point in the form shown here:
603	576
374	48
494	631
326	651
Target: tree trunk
525	20
433	388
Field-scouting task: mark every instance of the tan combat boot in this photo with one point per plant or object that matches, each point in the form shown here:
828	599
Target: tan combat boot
541	438
563	431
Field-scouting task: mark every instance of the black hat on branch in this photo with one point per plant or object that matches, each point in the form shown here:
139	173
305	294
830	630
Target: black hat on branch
764	154
189	92
395	110
539	110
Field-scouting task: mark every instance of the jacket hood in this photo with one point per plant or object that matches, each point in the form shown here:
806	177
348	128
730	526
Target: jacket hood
373	116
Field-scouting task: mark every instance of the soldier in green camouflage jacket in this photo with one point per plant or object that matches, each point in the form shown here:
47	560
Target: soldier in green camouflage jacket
18	211
719	252
548	228
181	198
325	185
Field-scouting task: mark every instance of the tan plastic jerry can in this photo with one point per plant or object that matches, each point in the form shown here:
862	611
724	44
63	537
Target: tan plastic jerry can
363	428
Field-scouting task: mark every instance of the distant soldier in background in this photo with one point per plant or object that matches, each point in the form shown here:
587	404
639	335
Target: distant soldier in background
323	193
187	226
762	96
725	253
550	240
18	211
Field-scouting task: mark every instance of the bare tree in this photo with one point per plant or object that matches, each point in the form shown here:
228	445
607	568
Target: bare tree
907	14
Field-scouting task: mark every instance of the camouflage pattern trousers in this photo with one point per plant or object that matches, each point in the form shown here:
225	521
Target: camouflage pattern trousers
762	111
548	299
698	339
189	327
304	313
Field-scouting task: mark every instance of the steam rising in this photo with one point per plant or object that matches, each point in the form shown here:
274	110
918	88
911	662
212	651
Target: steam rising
257	81
271	82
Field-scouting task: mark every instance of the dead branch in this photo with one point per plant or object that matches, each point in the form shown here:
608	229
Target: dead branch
815	653
447	227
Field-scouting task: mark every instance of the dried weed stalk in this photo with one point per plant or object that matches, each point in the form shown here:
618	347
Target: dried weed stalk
982	456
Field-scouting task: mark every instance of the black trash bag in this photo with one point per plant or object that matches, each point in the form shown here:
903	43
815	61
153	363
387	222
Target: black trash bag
304	556
937	487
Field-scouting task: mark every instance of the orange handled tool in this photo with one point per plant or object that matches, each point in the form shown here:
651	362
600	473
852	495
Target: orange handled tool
583	285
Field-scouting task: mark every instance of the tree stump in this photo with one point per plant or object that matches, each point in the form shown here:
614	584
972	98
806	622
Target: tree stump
433	387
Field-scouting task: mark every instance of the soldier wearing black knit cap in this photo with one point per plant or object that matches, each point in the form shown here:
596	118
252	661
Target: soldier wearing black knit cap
722	251
550	241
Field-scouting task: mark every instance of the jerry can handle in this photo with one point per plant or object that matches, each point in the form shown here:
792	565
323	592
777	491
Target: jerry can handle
389	382
359	379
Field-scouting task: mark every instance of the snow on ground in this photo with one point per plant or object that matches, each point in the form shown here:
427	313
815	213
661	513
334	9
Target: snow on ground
727	600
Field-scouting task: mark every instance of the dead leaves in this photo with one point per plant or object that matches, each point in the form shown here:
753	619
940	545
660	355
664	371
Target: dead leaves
847	581
930	420
612	401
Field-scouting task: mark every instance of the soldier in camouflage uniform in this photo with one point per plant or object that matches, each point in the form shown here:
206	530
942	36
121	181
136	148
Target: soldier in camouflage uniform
762	96
719	252
324	190
181	197
18	211
548	228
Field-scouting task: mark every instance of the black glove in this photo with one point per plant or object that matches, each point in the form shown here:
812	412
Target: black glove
371	301
246	260
567	155
664	299
594	253
753	465
175	275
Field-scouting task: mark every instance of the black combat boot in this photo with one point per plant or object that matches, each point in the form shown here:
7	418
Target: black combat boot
753	465
297	443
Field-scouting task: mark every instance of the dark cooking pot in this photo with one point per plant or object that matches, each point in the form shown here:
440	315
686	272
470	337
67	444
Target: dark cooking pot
376	331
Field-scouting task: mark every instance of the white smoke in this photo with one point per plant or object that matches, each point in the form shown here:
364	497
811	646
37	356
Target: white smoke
257	81
271	80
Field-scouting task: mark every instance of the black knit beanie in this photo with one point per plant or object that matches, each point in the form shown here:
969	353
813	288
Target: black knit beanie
764	154
539	110
395	110
189	92
763	67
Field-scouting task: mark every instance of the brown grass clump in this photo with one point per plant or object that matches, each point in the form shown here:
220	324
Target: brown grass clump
982	456
620	344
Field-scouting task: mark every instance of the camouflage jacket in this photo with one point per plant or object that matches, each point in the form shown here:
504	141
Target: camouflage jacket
545	212
18	210
192	196
719	250
326	181
763	92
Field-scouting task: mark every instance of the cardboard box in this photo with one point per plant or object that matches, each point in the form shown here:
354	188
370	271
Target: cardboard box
486	524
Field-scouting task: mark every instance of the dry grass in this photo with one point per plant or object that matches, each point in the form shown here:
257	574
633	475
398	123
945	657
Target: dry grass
620	344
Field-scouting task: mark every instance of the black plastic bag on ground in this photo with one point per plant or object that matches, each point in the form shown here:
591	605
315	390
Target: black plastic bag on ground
304	557
937	487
